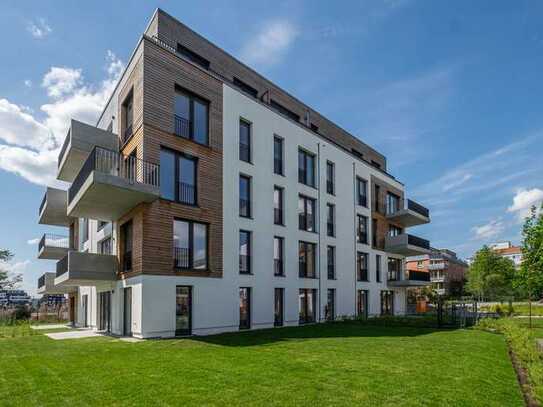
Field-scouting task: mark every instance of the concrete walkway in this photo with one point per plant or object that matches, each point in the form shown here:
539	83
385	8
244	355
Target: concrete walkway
49	326
79	334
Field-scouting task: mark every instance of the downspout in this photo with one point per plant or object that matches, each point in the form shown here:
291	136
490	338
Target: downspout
319	217
354	240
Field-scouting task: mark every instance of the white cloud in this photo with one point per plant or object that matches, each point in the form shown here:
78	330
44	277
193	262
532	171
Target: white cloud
33	241
489	230
17	267
28	83
523	201
39	29
269	45
31	146
60	81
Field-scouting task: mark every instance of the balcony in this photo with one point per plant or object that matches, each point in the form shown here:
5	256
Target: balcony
77	269
407	245
46	285
436	266
110	184
79	142
53	208
437	278
53	247
408	213
409	278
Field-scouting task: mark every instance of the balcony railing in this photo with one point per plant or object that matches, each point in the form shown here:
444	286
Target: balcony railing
401	204
436	266
62	266
42	203
63	149
181	257
41	281
127	133
415	207
113	163
187	193
52	240
418	241
181	127
414	275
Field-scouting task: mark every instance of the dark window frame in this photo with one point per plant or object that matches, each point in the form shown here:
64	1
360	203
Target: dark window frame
279	213
192	97
246	149
362	273
249	213
330	312
303	271
191	224
331	262
248	89
127	256
192	56
279	321
361	199
306	319
303	218
330	220
330	178
278	163
279	264
246	324
248	256
177	156
302	172
361	237
378	268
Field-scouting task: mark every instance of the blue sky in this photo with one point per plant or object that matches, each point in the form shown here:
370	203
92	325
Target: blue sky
450	92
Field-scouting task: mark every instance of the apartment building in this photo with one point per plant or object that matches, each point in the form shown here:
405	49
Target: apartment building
446	270
509	251
207	199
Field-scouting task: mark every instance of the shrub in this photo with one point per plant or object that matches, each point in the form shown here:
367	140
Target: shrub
22	313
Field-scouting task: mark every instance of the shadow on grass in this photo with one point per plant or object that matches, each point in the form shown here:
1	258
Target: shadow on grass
314	331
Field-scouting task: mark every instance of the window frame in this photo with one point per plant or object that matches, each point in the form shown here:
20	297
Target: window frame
361	199
281	209
281	142
303	293
177	155
281	258
249	213
330	223
249	146
361	238
303	224
191	97
331	265
303	273
249	261
330	177
362	274
302	172
191	224
378	268
248	304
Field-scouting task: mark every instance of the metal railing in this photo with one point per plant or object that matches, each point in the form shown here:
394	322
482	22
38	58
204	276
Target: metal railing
52	240
244	152
127	134
181	257
415	275
436	266
416	207
43	203
63	149
41	281
418	241
181	126
187	193
385	208
113	163
62	266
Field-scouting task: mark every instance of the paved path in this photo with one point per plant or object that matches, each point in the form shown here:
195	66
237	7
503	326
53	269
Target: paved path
74	334
49	326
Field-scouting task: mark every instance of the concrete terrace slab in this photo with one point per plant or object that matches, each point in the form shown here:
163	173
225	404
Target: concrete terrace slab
49	326
74	335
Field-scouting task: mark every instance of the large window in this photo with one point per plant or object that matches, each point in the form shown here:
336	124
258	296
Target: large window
362	229
394	269
278	307
331	262
244	308
307	305
306	168
104	246
361	192
178	177
244	196
244	252
128	117
394	230
378	268
278	167
374	232
393	203
362	303
330	311
278	217
330	178
387	302
306	214
330	220
306	259
362	266
278	248
190	245
126	246
191	117
244	141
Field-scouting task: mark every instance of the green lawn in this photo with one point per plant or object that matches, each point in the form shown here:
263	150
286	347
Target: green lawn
332	364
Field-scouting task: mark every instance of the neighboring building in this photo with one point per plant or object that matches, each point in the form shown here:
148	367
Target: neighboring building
207	199
447	271
509	251
13	297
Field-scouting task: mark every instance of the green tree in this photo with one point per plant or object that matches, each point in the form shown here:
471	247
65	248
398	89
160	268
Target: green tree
490	276
7	281
530	277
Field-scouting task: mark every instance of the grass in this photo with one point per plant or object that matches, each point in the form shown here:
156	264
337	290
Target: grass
326	364
519	308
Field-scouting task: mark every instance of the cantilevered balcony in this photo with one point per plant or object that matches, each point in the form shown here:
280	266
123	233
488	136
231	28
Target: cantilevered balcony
53	247
46	285
437	266
408	278
407	245
79	142
110	184
53	208
77	269
408	213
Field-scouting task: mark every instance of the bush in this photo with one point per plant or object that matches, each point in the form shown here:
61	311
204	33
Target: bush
22	313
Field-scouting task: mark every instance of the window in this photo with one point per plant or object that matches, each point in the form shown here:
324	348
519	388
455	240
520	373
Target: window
244	252
278	308
101	225
126	246
394	269
191	117
284	111
306	214
183	310
378	268
362	229
244	308
330	177
387	302
362	303
394	230
330	220
128	117
420	264
374	232
362	192
178	177
84	230
331	261
330	310
278	155
190	245
244	141
306	260
362	266
245	87
306	168
278	247
307	305
278	218
393	203
104	246
244	196
377	199
192	56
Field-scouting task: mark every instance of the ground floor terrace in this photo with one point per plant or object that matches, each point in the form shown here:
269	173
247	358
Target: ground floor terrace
346	363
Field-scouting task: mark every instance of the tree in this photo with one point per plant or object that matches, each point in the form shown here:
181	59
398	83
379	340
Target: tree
7	281
490	276
530	277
